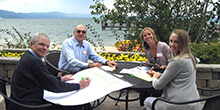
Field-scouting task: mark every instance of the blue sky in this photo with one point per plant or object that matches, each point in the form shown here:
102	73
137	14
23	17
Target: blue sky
65	6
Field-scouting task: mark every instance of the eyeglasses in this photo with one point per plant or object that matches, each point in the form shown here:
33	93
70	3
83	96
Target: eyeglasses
79	31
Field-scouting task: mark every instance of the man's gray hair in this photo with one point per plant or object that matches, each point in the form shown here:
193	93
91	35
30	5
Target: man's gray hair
36	36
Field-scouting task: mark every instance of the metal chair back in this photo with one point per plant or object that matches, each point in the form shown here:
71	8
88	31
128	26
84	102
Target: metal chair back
52	59
211	102
3	91
9	102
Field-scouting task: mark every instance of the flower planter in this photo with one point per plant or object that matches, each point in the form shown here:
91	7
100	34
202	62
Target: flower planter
124	53
15	50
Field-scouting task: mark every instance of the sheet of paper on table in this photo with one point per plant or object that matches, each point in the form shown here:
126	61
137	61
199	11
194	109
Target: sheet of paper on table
144	76
138	69
102	83
139	72
108	68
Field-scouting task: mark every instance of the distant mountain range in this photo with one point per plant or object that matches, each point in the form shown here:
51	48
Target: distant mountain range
46	15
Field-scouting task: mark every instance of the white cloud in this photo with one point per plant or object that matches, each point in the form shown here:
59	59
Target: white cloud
67	6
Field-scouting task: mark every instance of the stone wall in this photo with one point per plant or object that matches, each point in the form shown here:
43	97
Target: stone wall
7	65
208	76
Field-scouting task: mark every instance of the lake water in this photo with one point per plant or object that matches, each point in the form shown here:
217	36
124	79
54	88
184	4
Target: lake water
56	29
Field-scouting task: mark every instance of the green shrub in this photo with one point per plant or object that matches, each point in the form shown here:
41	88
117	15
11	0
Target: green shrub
207	53
18	41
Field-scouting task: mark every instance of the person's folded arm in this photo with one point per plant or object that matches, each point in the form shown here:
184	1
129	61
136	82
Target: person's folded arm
169	74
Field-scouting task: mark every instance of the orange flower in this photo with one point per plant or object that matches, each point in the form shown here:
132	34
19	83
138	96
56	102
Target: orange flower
124	45
138	45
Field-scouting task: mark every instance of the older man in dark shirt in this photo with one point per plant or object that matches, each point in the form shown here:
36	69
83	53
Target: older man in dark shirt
31	77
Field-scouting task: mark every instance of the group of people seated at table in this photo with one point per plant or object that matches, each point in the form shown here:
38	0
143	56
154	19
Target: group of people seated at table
176	83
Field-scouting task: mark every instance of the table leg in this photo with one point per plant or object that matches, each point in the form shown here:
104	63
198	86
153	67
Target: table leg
126	102
121	92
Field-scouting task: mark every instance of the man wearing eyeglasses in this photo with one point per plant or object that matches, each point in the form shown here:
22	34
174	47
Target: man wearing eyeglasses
76	52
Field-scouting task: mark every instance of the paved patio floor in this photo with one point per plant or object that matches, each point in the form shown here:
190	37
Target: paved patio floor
109	104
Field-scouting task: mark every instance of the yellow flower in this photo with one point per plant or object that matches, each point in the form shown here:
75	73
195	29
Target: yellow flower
135	40
122	57
128	41
122	41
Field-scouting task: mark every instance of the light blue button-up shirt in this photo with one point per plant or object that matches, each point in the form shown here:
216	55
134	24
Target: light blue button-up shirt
75	56
32	52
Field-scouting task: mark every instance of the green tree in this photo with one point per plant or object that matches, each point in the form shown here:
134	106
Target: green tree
199	18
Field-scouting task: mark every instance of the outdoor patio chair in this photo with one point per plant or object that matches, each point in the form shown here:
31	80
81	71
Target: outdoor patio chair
211	102
52	59
9	101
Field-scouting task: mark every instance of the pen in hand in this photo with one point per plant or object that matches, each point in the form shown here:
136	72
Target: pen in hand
150	71
84	83
86	78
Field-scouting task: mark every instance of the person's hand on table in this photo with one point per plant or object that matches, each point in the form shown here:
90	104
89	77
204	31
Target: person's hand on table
154	74
84	83
95	65
160	67
157	66
151	73
67	78
111	63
